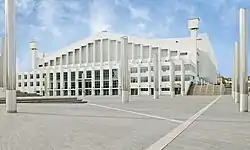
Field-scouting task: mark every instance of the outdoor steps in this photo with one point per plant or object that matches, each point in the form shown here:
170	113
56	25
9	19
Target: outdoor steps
210	90
191	90
216	89
203	90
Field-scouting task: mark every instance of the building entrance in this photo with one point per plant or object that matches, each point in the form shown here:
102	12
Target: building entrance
177	91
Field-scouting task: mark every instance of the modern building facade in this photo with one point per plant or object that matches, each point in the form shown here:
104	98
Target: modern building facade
92	66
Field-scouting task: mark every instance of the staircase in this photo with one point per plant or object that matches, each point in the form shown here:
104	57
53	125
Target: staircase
208	90
191	90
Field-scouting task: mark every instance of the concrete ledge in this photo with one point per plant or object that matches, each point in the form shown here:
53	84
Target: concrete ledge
60	99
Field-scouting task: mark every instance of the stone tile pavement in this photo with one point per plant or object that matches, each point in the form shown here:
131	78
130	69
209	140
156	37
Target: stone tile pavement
110	125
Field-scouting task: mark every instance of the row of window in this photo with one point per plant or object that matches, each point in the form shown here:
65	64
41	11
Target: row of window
96	92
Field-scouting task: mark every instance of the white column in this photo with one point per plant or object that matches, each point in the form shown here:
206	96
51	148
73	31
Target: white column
61	76
233	79
237	73
124	64
182	78
69	82
101	68
244	60
4	60
10	33
77	81
172	78
156	76
83	84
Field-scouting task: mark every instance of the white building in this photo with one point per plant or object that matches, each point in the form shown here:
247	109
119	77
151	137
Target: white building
98	57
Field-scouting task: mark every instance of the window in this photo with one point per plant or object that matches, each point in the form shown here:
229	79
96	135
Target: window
65	76
46	64
73	92
106	92
31	76
40	66
133	79
89	74
177	77
97	84
50	93
19	84
105	74
51	76
105	84
97	74
133	70
114	73
144	79
73	85
152	78
80	84
80	73
143	69
37	83
164	68
19	77
57	61
58	86
51	86
177	68
52	63
173	53
88	83
144	89
115	84
31	83
58	93
152	68
165	89
25	76
183	53
58	76
73	76
37	76
65	85
44	75
65	92
165	78
25	84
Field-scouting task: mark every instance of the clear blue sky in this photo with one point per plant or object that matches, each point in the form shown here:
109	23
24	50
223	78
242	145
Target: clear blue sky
57	23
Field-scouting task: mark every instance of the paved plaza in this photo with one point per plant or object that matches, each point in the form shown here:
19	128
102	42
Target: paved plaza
191	122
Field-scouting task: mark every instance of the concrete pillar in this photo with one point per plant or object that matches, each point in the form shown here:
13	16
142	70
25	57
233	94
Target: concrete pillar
172	78
124	66
83	85
243	60
182	78
233	79
156	76
237	73
4	52
10	21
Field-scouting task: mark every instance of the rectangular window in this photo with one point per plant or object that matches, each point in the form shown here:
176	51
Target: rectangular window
58	76
65	85
133	79
58	86
73	92
143	69
144	89
89	74
173	53
152	68
37	83
19	77
114	73
88	83
73	85
73	76
52	63
25	76
165	78
80	84
165	89
44	75
97	84
177	68
115	84
51	85
25	84
58	93
165	68
133	70
177	77
97	74
105	84
31	76
46	64
144	79
37	76
183	53
51	76
152	78
31	84
80	73
19	84
65	76
106	74
50	93
65	92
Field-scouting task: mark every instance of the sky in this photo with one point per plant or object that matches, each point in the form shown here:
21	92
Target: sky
55	24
